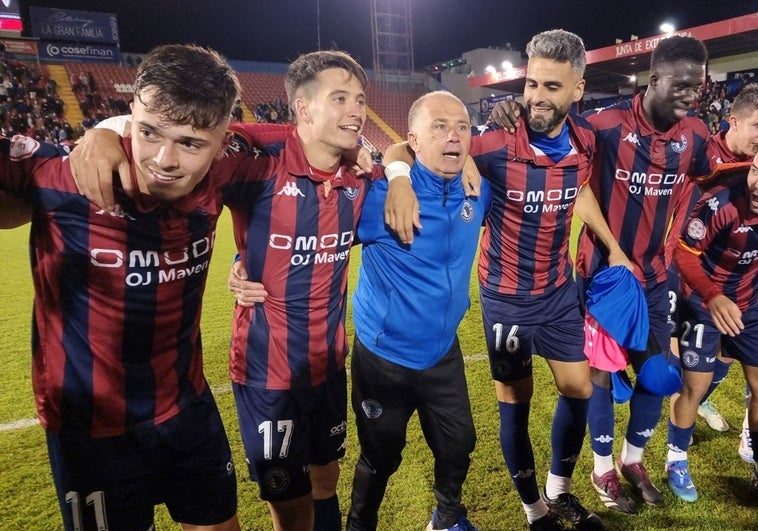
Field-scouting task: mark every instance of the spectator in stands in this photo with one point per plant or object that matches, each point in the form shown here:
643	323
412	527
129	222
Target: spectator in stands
237	111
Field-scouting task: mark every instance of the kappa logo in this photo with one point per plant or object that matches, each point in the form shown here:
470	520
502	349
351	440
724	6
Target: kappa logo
631	138
674	448
290	189
118	212
713	203
604	439
681	146
523	474
646	433
743	229
570	459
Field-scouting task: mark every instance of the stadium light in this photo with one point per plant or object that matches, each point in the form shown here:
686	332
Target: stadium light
490	69
632	78
507	65
667	27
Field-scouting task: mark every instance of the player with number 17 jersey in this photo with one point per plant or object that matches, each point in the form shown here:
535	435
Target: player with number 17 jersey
297	236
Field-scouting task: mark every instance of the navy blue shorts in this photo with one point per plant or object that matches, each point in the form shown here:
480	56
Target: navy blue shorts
184	462
658	307
674	282
285	431
700	339
517	326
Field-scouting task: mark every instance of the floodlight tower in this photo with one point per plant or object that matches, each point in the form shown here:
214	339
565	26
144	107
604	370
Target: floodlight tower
392	39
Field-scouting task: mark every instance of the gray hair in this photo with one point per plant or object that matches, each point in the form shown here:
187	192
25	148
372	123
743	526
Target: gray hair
559	45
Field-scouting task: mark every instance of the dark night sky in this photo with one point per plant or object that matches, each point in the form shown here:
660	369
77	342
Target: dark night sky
278	30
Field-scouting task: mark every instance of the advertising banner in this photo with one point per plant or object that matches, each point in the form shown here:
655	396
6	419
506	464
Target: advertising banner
76	26
58	51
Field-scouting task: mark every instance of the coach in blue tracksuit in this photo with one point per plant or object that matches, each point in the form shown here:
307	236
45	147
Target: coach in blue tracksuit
406	308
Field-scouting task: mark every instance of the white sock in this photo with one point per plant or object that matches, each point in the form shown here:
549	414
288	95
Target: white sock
603	463
556	485
534	511
631	454
675	456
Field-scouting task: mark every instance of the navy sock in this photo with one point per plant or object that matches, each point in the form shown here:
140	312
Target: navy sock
644	414
720	370
679	438
327	515
600	419
567	435
754	438
517	449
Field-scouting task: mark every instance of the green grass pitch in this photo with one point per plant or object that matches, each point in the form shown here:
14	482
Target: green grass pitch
27	498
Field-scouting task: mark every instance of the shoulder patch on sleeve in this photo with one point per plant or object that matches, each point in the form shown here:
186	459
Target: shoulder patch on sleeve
696	229
22	147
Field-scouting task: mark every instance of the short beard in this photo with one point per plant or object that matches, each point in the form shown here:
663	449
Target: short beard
541	125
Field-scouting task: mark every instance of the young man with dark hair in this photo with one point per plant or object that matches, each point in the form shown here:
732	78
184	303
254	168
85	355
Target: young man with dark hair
117	359
294	209
647	151
716	255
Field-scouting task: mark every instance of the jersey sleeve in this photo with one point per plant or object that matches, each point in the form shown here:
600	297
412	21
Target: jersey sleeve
262	134
21	159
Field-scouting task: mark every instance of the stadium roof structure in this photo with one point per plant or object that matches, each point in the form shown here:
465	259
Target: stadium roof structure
611	67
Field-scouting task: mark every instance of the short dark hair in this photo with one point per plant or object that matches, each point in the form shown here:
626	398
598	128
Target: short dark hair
193	85
304	70
678	48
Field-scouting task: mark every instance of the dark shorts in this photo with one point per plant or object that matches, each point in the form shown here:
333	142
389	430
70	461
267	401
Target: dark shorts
515	327
658	306
184	462
700	339
286	431
673	281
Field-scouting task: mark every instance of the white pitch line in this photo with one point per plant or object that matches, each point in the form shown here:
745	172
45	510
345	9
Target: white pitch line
21	424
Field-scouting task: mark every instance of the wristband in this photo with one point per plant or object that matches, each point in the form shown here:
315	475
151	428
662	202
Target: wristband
397	168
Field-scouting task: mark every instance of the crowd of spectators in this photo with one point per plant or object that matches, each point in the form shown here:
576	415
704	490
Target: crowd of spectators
29	104
715	101
95	107
275	112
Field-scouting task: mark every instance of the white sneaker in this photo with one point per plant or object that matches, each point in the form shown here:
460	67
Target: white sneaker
745	448
712	417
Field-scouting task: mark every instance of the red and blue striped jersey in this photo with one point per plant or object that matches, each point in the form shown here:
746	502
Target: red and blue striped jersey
116	336
640	178
723	231
525	244
295	238
718	153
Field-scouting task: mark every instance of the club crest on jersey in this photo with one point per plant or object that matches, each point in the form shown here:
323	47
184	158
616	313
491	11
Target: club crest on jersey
22	147
696	229
681	146
351	192
467	212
